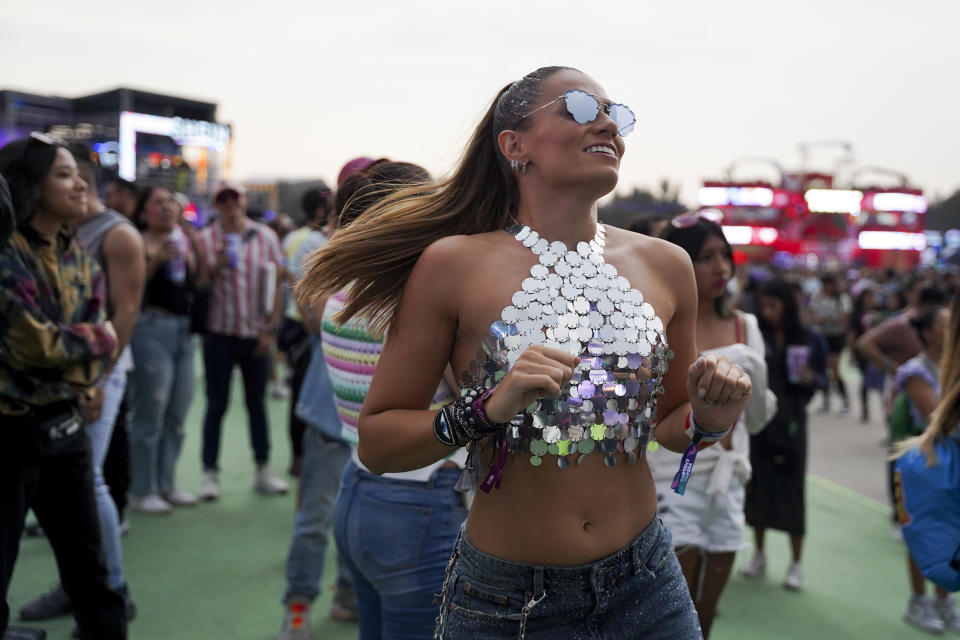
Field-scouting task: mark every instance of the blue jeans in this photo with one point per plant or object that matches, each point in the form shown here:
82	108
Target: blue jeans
220	354
323	460
161	390
99	433
637	592
396	537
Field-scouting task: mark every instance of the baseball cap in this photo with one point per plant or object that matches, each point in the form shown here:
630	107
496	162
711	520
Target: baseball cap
227	185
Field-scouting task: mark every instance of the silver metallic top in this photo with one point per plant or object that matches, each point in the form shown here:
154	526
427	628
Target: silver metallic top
576	302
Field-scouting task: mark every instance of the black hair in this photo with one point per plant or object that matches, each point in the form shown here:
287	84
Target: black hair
691	239
86	164
25	165
315	200
923	322
931	296
126	185
784	292
143	194
7	219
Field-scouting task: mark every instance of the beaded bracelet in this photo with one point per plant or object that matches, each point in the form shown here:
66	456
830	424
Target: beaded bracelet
465	419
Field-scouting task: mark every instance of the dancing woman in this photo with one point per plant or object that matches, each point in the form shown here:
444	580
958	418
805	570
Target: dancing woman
503	272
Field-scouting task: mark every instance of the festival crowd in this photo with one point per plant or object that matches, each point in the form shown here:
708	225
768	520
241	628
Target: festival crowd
420	433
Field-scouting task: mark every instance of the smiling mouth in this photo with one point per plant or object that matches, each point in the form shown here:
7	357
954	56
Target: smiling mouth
602	149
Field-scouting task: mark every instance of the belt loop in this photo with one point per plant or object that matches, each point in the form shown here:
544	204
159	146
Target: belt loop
539	593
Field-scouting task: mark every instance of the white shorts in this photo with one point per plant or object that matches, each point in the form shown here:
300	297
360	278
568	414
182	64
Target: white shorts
712	523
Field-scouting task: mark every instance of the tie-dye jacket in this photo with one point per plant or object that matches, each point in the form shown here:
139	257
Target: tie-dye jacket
53	342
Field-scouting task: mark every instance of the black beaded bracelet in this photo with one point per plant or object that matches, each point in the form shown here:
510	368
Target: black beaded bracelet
457	423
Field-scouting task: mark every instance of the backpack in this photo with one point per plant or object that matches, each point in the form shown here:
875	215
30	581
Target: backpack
928	507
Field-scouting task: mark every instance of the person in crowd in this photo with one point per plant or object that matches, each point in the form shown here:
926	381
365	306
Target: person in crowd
797	368
894	341
121	196
512	310
395	532
830	309
889	345
707	521
55	346
162	384
242	261
292	338
864	317
918	380
325	453
117	247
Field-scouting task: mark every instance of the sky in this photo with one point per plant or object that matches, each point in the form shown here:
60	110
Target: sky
309	85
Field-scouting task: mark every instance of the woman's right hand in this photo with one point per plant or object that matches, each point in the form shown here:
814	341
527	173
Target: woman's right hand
539	372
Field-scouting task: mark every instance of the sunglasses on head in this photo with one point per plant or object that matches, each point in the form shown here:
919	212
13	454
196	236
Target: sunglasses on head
687	220
228	194
46	138
585	107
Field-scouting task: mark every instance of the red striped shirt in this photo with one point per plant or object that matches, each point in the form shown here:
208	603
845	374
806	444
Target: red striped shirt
238	296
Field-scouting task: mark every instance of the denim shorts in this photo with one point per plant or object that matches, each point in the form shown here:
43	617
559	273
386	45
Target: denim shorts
637	592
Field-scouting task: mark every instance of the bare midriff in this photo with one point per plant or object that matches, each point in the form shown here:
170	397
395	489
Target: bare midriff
565	517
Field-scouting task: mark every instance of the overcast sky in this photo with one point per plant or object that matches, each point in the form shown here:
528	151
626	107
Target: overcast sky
308	85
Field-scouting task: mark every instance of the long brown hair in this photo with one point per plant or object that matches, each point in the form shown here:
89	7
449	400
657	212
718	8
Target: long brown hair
377	252
946	416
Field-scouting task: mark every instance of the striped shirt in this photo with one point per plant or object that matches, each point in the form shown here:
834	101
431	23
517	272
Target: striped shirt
238	305
351	354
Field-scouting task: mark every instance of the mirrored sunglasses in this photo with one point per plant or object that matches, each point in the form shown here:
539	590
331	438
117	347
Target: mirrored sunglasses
585	107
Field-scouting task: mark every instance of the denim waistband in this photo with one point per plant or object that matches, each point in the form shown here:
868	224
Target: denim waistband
630	560
445	478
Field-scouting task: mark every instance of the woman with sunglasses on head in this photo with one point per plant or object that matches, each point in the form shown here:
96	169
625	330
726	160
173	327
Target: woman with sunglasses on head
503	272
707	520
55	342
796	368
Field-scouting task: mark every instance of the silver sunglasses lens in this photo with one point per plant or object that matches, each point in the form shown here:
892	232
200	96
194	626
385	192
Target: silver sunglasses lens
623	117
582	106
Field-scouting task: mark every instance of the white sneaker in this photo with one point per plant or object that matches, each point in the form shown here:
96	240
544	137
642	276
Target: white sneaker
794	579
946	608
756	568
180	498
210	487
897	533
279	390
269	483
151	504
921	613
296	622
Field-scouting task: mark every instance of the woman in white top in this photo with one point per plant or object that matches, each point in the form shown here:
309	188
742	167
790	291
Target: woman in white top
707	521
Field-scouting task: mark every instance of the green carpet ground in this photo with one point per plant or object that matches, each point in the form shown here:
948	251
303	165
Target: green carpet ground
217	571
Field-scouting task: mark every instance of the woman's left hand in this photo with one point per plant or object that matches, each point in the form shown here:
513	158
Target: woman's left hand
718	391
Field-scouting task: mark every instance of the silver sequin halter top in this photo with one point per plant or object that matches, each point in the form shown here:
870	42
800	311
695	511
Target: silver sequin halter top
576	302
